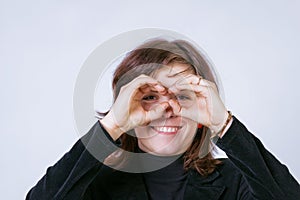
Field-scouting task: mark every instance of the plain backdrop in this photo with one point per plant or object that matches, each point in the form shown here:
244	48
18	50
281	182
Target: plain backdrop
254	45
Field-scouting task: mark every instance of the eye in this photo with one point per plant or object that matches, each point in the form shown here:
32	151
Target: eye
182	97
149	98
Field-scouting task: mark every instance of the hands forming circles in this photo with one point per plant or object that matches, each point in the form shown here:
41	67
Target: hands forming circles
207	109
145	99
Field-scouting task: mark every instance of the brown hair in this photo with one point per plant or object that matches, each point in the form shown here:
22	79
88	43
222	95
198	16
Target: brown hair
146	59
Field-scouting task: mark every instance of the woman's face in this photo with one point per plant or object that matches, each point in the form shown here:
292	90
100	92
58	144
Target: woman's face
171	134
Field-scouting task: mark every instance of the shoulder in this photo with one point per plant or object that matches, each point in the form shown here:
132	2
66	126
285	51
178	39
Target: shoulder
232	179
228	172
227	166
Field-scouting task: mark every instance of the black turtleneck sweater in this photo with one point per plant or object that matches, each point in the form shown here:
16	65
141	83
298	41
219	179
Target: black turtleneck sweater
167	183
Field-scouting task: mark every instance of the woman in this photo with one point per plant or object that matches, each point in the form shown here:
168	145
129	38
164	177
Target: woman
167	108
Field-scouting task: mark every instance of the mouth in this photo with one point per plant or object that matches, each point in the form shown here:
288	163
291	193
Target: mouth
166	130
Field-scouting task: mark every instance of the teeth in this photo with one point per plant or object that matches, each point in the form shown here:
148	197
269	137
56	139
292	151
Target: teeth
166	129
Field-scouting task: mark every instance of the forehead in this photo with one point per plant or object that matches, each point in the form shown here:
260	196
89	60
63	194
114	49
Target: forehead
169	74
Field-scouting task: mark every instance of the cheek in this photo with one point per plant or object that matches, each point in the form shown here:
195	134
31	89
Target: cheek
148	105
190	131
192	126
143	132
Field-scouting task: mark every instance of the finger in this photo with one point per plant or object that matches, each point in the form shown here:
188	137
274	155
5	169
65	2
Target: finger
184	112
152	88
160	88
198	89
139	82
208	83
144	84
175	107
142	80
132	88
196	80
156	112
181	111
190	79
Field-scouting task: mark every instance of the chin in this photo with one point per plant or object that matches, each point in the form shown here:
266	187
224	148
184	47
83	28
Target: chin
168	152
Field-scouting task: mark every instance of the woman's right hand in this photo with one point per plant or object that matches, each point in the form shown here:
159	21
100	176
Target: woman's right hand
127	111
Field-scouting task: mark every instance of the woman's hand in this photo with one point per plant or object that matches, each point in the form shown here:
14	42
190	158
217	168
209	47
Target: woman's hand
207	109
127	111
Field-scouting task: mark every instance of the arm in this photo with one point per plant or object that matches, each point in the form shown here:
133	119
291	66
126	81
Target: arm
265	175
71	175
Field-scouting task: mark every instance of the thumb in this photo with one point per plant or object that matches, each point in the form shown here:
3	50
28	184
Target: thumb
175	107
181	111
156	112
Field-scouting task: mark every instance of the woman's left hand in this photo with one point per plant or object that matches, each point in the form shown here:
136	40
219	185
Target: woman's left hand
208	108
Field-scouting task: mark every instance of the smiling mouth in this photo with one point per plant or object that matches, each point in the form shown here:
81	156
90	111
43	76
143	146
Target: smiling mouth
166	130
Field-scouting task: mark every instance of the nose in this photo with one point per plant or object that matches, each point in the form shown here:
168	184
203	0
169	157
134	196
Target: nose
169	110
169	113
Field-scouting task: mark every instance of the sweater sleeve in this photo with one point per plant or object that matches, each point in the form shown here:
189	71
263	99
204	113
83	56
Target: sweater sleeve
70	176
266	177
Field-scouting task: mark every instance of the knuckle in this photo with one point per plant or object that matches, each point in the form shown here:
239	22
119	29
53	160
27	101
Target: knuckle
123	88
142	76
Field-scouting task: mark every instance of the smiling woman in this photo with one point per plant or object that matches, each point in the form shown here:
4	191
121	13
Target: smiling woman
160	67
167	106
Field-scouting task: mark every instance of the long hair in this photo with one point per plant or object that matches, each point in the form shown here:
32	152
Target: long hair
148	58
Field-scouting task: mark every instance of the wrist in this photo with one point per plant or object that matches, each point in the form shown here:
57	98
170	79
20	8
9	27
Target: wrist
221	134
226	125
111	127
222	127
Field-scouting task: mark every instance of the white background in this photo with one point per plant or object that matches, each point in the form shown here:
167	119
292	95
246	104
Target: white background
254	45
